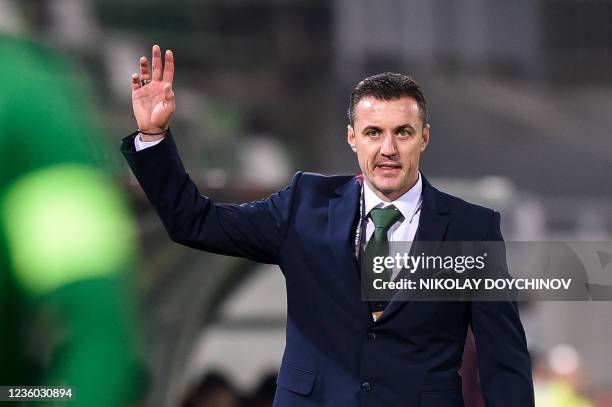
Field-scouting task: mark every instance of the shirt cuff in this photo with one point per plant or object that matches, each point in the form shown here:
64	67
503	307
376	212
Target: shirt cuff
139	144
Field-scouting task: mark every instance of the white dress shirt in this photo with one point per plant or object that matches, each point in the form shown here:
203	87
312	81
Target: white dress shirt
404	230
139	144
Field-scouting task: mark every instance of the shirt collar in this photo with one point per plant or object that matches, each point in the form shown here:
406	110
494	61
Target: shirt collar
407	204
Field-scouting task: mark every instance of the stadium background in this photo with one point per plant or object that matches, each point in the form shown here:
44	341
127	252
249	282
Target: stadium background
520	104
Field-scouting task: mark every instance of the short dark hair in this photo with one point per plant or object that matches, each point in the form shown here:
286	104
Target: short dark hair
387	86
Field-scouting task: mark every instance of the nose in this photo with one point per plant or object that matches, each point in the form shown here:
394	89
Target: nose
388	147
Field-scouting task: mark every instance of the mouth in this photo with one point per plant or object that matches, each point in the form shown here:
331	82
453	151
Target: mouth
388	168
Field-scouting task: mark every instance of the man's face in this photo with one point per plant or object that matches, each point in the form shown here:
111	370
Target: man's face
388	137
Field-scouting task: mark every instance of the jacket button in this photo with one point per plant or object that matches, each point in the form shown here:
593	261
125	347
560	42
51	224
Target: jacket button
366	386
371	336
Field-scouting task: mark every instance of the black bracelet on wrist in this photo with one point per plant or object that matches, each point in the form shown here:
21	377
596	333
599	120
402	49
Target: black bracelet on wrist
150	133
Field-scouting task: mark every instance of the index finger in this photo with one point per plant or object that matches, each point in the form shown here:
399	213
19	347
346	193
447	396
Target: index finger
169	67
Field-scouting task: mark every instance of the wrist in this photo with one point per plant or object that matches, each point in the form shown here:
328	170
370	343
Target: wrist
152	134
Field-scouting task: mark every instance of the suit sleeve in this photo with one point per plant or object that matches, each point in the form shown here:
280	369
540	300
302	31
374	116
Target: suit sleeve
254	230
501	347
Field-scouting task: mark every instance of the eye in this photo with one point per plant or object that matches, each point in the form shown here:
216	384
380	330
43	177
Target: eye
405	132
371	133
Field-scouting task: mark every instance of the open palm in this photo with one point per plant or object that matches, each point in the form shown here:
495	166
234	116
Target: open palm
153	100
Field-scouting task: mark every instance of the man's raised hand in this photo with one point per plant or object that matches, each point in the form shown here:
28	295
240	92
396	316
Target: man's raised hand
152	96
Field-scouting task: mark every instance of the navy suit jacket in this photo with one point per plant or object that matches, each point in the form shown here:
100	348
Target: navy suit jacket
335	354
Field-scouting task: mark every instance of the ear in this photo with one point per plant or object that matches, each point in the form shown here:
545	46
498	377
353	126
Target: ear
350	137
425	137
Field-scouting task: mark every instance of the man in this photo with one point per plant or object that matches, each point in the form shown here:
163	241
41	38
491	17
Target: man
340	350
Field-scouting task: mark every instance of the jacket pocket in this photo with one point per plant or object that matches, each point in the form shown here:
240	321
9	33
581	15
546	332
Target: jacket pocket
295	379
441	398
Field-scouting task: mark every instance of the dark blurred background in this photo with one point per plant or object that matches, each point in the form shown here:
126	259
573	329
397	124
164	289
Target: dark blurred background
520	96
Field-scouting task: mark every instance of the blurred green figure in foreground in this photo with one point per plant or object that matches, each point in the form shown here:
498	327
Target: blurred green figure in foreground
67	239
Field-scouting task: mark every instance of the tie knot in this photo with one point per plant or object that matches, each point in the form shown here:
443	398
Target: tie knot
384	218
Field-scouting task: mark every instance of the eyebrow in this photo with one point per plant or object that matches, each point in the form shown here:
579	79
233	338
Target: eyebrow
370	127
395	130
404	126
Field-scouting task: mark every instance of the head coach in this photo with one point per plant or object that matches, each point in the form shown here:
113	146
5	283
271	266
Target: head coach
342	351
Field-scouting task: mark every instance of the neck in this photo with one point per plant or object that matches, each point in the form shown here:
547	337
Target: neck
390	196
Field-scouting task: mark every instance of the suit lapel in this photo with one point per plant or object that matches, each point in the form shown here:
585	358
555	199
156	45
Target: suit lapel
433	224
343	214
